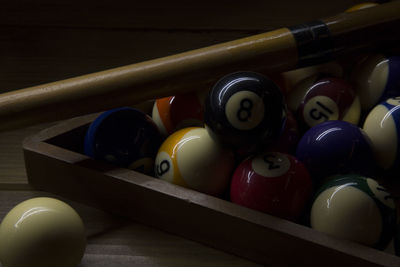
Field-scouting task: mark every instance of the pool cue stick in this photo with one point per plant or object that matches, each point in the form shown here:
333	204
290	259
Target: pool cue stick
275	51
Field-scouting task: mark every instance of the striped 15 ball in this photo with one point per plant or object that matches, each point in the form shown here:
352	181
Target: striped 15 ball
319	98
291	79
191	158
355	208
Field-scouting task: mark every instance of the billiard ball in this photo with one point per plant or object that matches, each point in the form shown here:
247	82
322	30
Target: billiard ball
289	138
176	112
376	78
335	147
191	158
320	98
382	125
291	79
125	137
355	208
42	232
273	183
244	108
361	6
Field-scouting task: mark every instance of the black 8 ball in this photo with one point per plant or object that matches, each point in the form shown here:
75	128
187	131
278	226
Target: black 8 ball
244	108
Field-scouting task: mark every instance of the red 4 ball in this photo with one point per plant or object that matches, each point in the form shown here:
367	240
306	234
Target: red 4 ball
273	183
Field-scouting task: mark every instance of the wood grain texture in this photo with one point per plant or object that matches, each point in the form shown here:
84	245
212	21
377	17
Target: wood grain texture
12	166
139	245
117	242
168	15
39	55
44	41
55	163
270	52
185	72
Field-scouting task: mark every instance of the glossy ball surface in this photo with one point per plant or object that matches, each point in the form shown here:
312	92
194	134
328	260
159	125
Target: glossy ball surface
176	112
376	78
382	125
125	137
244	108
192	159
291	79
320	98
335	147
355	208
274	183
43	232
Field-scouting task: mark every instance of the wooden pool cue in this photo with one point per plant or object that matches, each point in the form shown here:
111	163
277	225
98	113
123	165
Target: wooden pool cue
275	51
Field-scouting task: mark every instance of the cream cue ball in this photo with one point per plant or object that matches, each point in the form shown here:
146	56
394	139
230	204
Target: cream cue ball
42	232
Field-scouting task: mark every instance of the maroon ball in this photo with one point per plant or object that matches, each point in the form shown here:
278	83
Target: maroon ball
319	99
273	183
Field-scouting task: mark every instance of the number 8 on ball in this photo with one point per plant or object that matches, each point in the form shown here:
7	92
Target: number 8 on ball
244	108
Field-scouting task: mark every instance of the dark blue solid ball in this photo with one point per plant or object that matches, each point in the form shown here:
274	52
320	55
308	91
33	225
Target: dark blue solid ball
335	147
126	137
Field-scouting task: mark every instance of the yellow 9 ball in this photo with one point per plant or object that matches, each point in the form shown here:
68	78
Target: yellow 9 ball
191	158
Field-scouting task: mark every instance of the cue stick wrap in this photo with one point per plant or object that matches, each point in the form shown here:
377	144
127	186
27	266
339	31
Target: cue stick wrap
314	43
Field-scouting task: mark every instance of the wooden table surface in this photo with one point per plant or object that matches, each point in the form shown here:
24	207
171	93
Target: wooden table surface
44	41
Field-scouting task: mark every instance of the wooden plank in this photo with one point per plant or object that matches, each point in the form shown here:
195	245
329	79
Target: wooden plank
117	242
139	245
12	166
52	166
34	56
198	69
44	41
175	14
96	221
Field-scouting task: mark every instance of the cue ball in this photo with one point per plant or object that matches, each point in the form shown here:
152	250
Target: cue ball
382	125
376	78
273	183
355	208
43	232
125	137
244	108
320	98
334	147
176	112
191	158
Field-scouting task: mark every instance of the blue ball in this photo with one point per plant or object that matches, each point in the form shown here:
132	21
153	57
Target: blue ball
125	137
335	147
